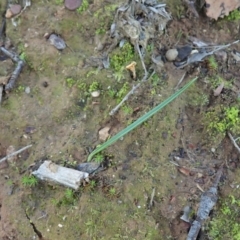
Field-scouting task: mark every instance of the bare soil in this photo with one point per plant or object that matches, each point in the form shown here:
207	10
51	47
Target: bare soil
62	123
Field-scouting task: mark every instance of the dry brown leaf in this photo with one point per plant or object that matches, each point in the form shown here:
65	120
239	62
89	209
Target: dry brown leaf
220	8
104	133
218	90
184	171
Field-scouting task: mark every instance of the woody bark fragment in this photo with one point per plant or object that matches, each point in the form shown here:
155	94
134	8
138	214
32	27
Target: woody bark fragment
207	202
68	177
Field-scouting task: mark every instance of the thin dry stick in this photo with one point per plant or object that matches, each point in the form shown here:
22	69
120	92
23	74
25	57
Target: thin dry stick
180	81
233	141
151	199
15	153
113	111
1	90
142	61
134	87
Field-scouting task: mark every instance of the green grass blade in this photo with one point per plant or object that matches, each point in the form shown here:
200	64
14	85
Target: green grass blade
140	120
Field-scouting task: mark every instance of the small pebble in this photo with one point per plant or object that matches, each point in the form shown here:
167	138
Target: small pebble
171	54
57	41
27	90
95	94
14	10
8	14
73	4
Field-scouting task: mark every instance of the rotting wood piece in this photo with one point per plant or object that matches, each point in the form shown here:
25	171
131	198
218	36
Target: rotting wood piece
207	202
68	177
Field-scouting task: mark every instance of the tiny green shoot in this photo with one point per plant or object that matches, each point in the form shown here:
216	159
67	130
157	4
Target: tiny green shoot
29	181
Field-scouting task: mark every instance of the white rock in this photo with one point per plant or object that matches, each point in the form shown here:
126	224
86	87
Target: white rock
27	90
171	54
95	94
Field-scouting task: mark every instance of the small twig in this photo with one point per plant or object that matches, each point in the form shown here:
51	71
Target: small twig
180	81
142	61
184	146
233	141
151	199
15	153
198	57
176	164
114	110
199	187
1	90
236	139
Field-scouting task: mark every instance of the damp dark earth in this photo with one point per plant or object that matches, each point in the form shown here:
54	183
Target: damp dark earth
65	69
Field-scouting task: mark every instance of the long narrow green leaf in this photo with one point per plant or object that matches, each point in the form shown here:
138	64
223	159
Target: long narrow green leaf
140	120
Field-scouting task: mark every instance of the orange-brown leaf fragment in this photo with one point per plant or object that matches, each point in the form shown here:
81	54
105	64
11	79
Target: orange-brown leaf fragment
184	171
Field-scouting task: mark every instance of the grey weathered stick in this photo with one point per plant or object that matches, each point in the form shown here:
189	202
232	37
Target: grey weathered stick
207	202
134	88
180	81
198	57
142	61
1	90
151	199
13	56
15	75
233	141
15	153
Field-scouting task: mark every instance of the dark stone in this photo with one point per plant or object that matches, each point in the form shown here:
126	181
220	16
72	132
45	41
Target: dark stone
57	41
183	52
88	167
45	84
